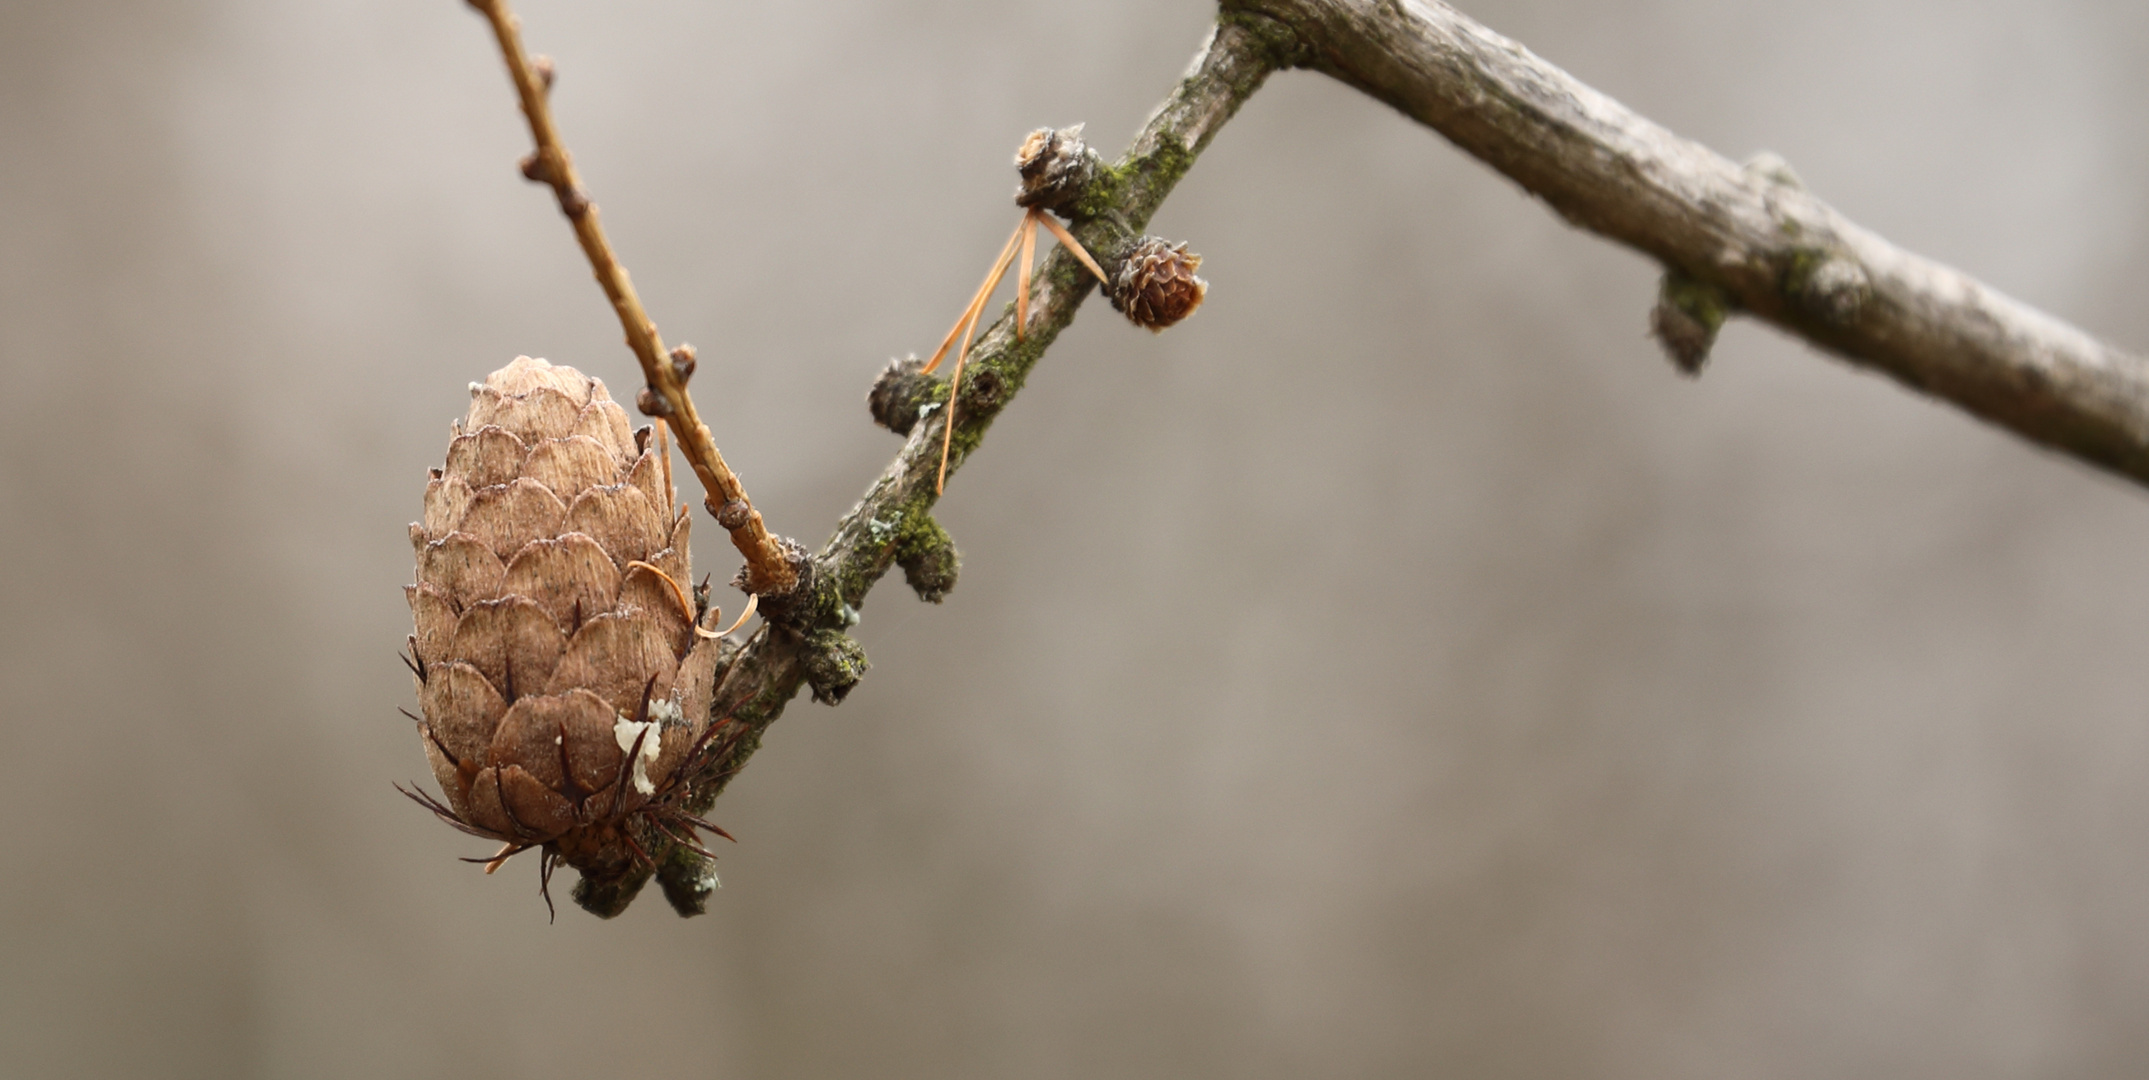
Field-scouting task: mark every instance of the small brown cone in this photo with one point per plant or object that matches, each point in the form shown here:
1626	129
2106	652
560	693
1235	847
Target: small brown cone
549	642
1155	286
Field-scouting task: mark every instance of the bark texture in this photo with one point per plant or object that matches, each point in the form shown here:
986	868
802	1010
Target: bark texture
1750	234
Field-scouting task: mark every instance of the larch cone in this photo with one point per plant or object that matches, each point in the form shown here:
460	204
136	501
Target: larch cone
563	667
1156	286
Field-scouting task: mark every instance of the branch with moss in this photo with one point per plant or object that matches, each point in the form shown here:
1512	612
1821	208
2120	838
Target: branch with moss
1732	239
803	640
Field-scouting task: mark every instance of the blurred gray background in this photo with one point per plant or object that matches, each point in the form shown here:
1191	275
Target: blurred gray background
1394	671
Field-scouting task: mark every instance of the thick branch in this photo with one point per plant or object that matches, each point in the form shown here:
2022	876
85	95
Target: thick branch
768	570
1753	235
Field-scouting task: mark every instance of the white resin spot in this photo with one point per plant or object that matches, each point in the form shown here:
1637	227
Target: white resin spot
627	731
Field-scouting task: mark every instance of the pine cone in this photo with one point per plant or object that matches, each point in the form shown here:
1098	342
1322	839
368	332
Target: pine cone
565	689
1155	286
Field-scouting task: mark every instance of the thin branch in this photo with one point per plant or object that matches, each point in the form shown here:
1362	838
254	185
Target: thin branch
1730	237
768	570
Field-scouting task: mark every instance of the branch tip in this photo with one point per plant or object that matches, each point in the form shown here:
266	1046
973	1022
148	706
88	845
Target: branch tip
663	370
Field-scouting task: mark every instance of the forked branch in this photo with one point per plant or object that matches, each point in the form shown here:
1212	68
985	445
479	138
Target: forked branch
1742	238
1731	239
768	570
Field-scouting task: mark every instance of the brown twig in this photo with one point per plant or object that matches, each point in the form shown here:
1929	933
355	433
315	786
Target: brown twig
768	571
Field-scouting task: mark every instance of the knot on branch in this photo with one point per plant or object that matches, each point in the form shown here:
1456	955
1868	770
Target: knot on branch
806	603
688	877
1154	285
984	391
1818	276
1056	168
652	403
606	891
683	361
833	662
928	557
573	202
1827	285
900	394
734	514
1770	166
1685	319
1278	44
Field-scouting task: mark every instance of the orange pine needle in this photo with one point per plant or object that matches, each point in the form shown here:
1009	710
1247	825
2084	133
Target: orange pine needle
1022	276
753	601
677	592
1073	245
955	381
976	302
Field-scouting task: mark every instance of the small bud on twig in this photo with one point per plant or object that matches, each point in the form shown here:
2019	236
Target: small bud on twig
652	403
542	65
1687	314
683	357
1771	166
899	393
1828	285
733	514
